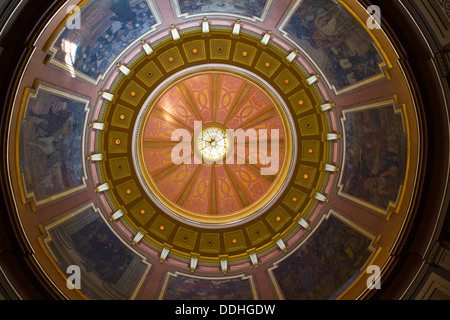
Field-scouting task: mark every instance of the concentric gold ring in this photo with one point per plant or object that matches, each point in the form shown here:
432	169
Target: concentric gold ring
181	206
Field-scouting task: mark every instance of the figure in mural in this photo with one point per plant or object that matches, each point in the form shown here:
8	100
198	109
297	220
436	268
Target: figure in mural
122	10
375	156
250	9
101	252
343	49
104	35
51	155
83	239
186	288
317	270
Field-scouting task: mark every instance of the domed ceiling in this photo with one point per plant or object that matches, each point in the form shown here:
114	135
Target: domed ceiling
259	149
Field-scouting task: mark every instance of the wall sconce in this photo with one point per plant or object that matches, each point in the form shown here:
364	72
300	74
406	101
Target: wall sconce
330	168
224	265
205	26
95	157
326	106
332	136
138	237
148	50
254	259
164	253
237	27
281	244
175	34
194	262
291	56
265	40
118	214
320	197
106	95
311	80
97	126
102	187
304	224
123	69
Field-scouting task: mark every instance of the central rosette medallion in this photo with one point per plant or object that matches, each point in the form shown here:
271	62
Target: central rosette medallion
214	147
213	143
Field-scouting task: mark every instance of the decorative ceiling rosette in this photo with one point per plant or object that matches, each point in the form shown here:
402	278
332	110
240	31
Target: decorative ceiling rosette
216	145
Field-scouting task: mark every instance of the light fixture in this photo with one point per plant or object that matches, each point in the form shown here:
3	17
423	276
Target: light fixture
106	95
330	168
320	197
148	50
254	259
97	126
194	262
266	38
304	224
311	80
332	136
224	265
95	157
326	106
291	56
174	32
280	243
164	253
237	27
123	69
118	214
101	188
205	26
138	237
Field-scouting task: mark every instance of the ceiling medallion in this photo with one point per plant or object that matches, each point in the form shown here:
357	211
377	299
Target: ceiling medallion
213	143
228	159
187	173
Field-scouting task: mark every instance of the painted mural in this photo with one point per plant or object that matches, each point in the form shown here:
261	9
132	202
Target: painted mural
109	269
181	287
338	43
323	265
101	252
107	27
375	155
51	131
245	8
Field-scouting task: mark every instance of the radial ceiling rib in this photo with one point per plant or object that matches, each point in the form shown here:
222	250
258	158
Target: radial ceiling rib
243	94
215	80
281	145
227	197
256	168
213	199
253	184
158	160
263	116
189	100
243	197
162	113
184	195
199	195
150	144
157	177
174	103
229	89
